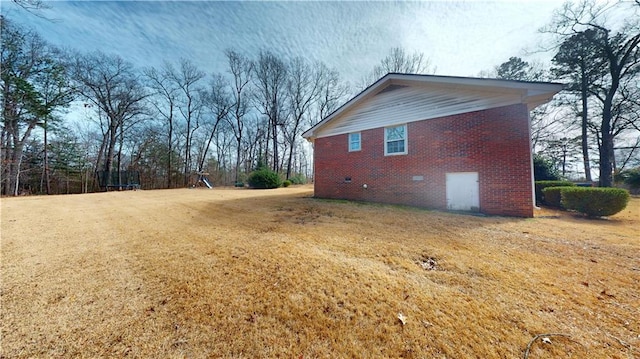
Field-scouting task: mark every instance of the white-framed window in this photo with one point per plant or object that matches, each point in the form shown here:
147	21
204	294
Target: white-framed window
395	140
354	142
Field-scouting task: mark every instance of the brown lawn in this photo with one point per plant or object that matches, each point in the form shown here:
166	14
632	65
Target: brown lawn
254	274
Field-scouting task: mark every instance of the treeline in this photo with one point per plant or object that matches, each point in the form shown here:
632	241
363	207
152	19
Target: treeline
68	117
595	121
168	123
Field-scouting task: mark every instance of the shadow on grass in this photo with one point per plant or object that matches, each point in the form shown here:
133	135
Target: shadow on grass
269	206
545	212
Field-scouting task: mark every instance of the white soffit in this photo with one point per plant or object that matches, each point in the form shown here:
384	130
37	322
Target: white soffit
402	98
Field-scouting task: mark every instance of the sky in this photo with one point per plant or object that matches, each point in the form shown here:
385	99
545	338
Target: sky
460	38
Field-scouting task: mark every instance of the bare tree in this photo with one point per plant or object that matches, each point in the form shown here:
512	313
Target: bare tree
187	79
241	69
270	81
33	6
113	86
255	142
399	61
56	91
218	100
629	155
224	143
165	102
331	94
303	90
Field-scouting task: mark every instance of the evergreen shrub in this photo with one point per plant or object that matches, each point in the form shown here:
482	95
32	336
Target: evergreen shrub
298	179
595	202
543	169
541	185
553	196
286	183
264	178
632	178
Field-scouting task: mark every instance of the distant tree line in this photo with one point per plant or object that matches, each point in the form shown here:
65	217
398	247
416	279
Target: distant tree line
68	116
598	60
168	123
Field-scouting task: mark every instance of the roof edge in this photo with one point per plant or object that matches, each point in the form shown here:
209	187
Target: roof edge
542	89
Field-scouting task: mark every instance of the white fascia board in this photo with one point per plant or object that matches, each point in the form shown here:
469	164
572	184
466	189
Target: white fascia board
532	93
486	83
342	127
536	97
369	91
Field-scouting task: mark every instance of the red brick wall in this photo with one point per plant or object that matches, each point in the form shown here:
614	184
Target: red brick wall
494	143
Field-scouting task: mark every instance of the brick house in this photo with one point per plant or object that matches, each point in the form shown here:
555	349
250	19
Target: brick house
440	142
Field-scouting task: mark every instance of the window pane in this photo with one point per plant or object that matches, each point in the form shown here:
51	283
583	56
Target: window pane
354	141
395	139
395	146
395	133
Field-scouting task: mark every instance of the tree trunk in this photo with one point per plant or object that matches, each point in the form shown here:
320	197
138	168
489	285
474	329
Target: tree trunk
275	144
290	159
585	143
108	162
564	160
119	163
206	148
46	176
103	146
6	161
16	160
14	176
169	168
606	148
239	143
606	154
292	145
16	163
187	150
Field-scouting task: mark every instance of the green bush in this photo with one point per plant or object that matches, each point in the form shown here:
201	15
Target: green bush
595	202
264	178
286	183
541	185
298	179
543	169
552	196
632	178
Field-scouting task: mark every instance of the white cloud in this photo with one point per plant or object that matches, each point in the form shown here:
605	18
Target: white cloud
460	38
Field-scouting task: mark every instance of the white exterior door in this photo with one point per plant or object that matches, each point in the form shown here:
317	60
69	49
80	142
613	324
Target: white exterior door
463	191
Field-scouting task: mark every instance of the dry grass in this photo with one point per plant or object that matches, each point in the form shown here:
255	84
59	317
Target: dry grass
246	274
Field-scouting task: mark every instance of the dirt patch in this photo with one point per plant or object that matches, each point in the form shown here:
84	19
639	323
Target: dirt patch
276	273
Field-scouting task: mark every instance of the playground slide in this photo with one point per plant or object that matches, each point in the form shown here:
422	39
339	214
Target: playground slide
206	182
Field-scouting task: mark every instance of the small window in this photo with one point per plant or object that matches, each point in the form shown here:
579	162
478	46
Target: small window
395	140
354	141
